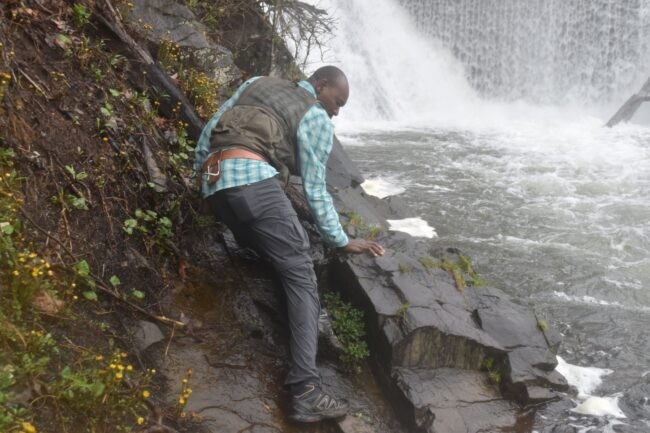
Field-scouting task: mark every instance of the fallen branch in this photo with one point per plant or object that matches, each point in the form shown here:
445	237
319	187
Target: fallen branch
155	74
630	107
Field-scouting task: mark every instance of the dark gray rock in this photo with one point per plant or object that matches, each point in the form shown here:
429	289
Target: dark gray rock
510	324
146	334
436	337
155	20
636	400
454	401
341	171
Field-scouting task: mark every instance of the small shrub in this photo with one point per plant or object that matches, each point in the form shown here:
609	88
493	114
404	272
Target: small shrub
348	326
155	229
80	15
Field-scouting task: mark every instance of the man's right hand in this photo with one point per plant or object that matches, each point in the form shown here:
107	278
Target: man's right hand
360	246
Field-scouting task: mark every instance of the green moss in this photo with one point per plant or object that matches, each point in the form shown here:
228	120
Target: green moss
366	231
429	263
494	377
371	232
462	271
542	325
401	311
404	269
493	374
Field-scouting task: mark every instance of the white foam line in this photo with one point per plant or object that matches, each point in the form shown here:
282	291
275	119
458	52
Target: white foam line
380	187
587	380
414	226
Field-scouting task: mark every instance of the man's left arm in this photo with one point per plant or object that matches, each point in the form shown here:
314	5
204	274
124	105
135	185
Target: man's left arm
315	138
315	135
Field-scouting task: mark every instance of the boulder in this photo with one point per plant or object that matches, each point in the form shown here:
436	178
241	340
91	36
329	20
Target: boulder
437	341
448	400
145	334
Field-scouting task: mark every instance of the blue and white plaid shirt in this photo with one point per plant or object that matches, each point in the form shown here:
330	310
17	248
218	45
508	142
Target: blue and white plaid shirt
315	135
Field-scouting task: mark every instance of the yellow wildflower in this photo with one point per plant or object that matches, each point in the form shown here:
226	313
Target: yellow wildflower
140	420
28	427
146	393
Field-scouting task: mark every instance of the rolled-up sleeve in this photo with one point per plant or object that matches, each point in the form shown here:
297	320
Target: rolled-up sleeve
315	137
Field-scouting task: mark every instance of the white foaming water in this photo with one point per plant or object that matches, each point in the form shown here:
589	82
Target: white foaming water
389	67
600	406
381	188
400	78
544	192
587	380
414	226
551	50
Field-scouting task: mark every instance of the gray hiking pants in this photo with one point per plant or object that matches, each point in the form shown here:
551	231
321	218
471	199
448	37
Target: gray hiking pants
261	217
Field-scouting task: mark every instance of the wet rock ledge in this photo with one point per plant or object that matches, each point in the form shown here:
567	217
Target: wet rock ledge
452	359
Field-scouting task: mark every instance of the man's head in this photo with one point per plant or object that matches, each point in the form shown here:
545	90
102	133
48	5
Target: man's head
332	88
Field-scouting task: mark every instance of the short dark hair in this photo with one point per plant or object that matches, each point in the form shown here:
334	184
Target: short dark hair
329	73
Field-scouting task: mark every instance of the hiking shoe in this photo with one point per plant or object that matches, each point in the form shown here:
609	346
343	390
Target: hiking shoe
314	405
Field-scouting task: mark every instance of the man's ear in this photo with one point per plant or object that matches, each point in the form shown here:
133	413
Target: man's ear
320	85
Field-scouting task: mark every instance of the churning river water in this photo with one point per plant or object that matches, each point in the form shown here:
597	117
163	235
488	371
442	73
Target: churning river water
557	216
487	118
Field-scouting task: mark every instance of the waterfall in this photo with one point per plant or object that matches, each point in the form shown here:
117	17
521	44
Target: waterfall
543	50
446	61
394	73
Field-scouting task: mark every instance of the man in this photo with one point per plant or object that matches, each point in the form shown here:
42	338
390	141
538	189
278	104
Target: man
271	128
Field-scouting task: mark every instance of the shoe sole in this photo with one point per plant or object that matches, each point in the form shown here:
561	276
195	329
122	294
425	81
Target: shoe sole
316	418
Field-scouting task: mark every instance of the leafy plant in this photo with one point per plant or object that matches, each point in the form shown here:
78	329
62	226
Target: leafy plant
80	15
155	229
347	323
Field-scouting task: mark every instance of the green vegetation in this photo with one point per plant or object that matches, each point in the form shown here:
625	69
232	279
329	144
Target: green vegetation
462	271
81	387
366	231
347	323
80	15
494	375
202	90
542	325
156	229
404	269
401	311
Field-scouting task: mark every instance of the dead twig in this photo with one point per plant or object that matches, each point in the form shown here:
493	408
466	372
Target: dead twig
35	84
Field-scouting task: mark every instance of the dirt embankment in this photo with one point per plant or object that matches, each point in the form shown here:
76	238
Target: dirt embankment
123	304
98	223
